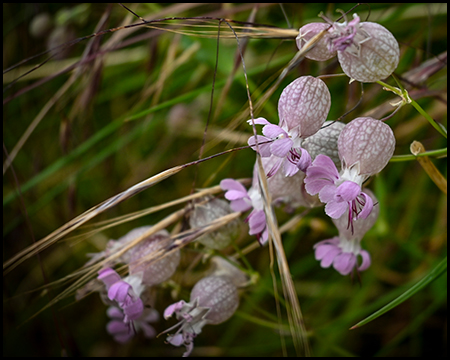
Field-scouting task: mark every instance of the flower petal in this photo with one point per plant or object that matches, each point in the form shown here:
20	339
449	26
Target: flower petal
263	144
344	263
109	277
365	260
367	208
257	222
290	169
281	147
119	291
259	121
347	191
335	209
305	160
235	195
273	131
231	184
328	193
240	205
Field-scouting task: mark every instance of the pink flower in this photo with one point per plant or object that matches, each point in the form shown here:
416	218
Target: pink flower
214	299
122	292
339	195
303	108
343	251
365	146
124	331
241	200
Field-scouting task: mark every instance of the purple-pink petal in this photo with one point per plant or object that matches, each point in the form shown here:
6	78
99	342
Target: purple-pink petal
259	121
365	260
281	147
290	169
133	308
235	195
327	193
305	161
273	131
263	144
121	331
257	222
335	209
173	309
367	208
240	205
324	164
347	191
109	277
119	291
231	184
344	263
326	252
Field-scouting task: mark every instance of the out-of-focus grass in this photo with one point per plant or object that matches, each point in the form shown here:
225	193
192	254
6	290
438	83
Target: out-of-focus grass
141	108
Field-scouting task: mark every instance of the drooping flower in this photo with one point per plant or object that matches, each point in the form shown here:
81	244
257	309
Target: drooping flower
365	146
302	108
343	251
123	293
367	51
214	299
241	200
124	331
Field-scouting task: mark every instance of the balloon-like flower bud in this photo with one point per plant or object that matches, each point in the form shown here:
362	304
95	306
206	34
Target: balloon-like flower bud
325	142
204	213
372	53
154	270
366	145
303	107
321	51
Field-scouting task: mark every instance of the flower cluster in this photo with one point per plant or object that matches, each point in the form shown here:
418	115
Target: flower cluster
322	158
129	297
308	161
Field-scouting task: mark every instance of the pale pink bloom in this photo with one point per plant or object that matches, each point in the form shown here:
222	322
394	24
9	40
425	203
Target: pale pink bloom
343	251
302	108
214	299
365	146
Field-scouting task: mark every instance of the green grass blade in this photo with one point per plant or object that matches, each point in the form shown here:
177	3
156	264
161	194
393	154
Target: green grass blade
434	274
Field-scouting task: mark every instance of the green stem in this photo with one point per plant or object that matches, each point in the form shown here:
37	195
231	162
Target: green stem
429	118
436	153
407	100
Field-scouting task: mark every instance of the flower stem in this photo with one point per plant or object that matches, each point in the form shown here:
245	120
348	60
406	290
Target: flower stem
407	100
